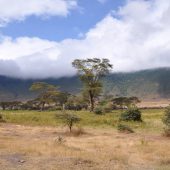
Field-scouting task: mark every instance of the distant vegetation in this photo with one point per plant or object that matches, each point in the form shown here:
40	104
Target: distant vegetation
148	84
48	96
92	97
47	93
56	100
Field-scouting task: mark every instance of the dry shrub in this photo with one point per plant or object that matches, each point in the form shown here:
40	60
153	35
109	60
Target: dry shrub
166	132
124	128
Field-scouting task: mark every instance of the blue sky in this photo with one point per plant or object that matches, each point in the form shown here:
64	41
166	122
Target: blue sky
57	28
41	38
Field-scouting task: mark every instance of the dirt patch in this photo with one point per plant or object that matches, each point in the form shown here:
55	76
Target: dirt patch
16	158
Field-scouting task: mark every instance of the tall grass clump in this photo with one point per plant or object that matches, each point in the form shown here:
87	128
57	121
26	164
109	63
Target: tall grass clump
124	128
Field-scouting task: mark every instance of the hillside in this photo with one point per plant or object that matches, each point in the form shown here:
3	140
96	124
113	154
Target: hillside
144	84
147	84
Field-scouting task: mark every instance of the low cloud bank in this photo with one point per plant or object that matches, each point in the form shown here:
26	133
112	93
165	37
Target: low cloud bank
135	37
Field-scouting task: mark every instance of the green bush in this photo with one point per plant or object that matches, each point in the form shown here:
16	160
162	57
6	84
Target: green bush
69	119
124	128
132	114
98	111
166	121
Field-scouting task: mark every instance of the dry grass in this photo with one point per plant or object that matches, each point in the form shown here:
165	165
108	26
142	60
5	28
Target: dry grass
40	148
151	103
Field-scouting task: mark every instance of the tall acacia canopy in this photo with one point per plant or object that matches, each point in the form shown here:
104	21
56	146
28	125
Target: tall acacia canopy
91	71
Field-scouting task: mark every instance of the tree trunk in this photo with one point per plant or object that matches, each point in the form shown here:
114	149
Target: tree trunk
3	107
91	99
63	107
42	107
70	126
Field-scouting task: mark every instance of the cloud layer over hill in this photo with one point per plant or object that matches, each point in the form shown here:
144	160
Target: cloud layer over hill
137	36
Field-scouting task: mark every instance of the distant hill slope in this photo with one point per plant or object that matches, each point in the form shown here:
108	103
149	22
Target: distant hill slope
147	84
144	84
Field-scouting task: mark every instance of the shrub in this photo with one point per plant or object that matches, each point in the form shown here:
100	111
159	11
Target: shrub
59	140
98	111
132	114
69	119
107	108
166	121
167	132
124	128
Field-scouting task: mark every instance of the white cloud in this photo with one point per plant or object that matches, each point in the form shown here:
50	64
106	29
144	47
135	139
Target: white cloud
138	38
19	9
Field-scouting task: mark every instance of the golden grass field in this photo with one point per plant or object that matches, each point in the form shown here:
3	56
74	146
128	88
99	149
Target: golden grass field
32	146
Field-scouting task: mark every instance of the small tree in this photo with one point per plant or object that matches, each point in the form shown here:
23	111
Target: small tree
119	102
128	102
76	102
15	105
61	99
31	105
90	72
69	119
166	121
47	93
132	101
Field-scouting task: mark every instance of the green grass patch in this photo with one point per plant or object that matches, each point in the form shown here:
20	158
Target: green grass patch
151	119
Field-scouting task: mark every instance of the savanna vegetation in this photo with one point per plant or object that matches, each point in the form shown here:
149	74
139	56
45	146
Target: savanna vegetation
31	139
89	130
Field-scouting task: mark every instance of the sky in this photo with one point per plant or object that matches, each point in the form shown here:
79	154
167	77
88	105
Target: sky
40	38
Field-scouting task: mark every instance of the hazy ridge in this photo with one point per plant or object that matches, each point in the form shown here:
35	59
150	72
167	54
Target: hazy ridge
147	84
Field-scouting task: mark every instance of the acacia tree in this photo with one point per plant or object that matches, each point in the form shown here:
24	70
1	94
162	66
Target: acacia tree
47	92
62	99
91	71
125	102
69	119
76	102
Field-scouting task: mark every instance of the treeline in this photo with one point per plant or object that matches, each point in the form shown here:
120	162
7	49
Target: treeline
90	71
68	101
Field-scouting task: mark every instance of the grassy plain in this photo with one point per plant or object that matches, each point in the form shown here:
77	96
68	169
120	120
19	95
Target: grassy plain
38	141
